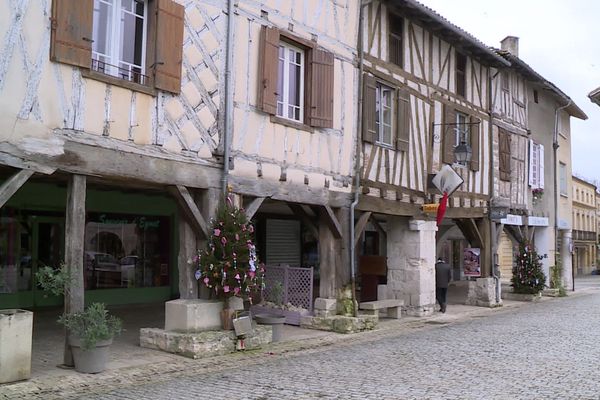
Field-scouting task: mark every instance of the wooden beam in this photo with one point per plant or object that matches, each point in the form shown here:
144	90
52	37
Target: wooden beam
14	183
191	210
253	207
465	212
289	192
333	222
390	207
476	231
74	250
379	228
305	218
360	226
16	162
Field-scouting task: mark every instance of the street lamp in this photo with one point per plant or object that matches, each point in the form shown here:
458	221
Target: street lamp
463	153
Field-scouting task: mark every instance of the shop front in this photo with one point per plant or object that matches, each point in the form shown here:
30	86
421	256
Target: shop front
129	254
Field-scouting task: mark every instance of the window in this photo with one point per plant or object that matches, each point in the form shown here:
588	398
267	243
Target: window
137	44
562	167
536	165
386	114
505	80
119	39
505	157
296	80
396	28
460	127
461	74
290	82
383	114
535	96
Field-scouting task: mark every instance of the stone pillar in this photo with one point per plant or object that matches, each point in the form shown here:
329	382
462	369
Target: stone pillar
566	258
411	260
482	293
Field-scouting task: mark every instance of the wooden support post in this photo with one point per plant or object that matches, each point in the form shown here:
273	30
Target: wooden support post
188	286
332	222
329	257
74	250
208	201
190	209
14	183
343	273
360	226
253	207
486	256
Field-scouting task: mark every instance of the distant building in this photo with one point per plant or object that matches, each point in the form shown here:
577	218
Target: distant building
585	226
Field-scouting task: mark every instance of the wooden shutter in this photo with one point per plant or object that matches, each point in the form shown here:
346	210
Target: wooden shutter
504	153
320	113
448	134
169	45
269	62
403	120
533	165
71	32
369	127
474	136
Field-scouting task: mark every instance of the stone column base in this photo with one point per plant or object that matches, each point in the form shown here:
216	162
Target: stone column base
482	293
419	311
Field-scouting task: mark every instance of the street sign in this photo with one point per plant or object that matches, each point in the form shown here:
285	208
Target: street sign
497	213
447	180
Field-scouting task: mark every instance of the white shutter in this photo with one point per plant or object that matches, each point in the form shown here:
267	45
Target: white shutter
283	242
541	164
533	165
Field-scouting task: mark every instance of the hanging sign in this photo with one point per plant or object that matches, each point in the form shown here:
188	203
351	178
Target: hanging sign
430	208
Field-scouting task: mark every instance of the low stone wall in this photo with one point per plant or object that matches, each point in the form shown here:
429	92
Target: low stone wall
340	323
521	297
202	344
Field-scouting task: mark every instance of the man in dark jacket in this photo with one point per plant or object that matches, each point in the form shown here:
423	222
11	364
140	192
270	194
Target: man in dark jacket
443	274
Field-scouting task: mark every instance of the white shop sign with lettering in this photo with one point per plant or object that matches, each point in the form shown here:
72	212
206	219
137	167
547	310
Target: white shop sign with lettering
537	221
512	220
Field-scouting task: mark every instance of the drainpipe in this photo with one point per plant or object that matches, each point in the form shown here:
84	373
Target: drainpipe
357	156
228	119
555	168
493	232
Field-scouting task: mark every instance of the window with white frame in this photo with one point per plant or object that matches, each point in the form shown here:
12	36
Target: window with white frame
119	38
562	169
462	129
383	114
536	165
290	82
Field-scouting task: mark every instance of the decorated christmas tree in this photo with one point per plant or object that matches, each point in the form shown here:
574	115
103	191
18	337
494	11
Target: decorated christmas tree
228	266
527	274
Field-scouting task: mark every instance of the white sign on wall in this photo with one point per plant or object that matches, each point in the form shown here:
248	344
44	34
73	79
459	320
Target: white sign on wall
512	219
537	221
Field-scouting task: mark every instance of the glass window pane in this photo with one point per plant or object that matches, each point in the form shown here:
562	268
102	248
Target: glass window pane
102	28
294	97
387	134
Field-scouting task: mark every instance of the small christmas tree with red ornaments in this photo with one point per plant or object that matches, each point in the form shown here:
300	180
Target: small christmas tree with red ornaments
528	276
229	266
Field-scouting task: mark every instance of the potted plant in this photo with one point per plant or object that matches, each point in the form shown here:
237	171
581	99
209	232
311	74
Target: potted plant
90	331
229	266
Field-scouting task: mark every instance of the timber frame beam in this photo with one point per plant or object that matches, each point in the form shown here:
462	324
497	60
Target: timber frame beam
306	219
332	222
360	226
191	210
14	183
253	207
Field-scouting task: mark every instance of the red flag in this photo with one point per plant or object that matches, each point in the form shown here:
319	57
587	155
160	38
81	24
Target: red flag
442	208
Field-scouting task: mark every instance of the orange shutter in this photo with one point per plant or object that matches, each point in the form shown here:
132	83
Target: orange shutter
369	126
448	133
169	45
403	120
474	130
321	100
71	32
269	62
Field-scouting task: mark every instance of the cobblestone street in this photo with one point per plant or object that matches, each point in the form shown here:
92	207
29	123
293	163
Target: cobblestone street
544	350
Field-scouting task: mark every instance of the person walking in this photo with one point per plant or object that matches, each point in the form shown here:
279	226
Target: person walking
443	274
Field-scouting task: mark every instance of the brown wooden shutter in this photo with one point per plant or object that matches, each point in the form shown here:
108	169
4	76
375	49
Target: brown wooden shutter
448	134
504	153
269	62
403	120
321	100
71	32
169	45
369	127
474	136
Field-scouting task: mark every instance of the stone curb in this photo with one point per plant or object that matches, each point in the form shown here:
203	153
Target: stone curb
72	386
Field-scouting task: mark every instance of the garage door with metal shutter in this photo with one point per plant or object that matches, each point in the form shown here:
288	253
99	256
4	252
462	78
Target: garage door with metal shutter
283	242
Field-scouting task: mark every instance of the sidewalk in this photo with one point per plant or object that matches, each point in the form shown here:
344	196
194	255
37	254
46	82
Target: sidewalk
132	365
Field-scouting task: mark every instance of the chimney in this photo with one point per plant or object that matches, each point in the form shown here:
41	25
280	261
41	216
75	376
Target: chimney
510	44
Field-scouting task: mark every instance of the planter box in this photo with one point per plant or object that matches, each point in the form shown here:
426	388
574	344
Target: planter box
291	317
16	330
521	297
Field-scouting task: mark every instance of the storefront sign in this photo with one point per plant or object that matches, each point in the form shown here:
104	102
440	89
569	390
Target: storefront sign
472	266
497	213
562	224
141	222
430	208
537	221
512	220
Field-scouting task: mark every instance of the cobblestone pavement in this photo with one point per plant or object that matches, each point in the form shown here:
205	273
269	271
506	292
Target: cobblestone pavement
547	350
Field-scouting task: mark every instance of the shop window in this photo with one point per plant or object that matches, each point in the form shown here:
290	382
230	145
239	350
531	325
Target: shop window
124	251
137	44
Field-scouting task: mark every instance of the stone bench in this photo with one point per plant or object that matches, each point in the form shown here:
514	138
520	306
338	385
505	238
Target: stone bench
393	307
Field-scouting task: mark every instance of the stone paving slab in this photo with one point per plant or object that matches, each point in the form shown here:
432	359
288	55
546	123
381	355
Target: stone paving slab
154	366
